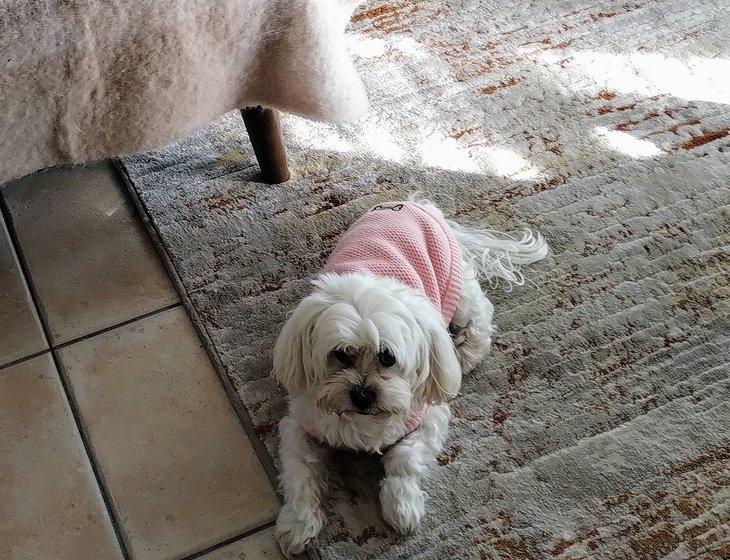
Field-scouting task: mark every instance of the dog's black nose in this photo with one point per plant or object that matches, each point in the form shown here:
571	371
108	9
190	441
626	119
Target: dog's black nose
362	397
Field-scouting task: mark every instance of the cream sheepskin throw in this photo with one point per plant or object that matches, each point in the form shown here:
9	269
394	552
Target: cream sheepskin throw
89	79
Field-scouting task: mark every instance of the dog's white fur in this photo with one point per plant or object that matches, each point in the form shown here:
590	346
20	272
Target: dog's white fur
364	314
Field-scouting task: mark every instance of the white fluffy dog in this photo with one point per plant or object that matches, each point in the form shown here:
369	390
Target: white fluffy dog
371	357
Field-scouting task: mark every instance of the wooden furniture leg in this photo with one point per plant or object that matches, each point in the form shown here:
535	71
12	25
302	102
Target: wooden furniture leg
264	130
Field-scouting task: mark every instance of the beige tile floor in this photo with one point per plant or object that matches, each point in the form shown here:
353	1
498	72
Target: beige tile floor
117	438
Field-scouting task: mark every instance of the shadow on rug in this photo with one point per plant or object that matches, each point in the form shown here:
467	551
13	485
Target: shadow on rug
597	427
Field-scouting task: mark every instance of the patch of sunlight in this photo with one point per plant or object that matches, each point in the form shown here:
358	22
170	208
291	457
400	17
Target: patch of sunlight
381	142
365	47
409	46
320	136
694	78
627	144
509	163
371	47
445	154
432	149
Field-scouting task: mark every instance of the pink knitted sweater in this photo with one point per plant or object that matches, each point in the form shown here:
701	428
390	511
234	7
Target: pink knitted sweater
407	242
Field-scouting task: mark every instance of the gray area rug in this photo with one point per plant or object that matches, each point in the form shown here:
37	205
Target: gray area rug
597	427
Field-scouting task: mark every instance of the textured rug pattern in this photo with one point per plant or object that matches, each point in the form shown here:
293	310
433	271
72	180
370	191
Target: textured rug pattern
597	427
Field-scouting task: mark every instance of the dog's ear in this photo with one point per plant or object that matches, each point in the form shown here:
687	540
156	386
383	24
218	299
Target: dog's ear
444	372
293	365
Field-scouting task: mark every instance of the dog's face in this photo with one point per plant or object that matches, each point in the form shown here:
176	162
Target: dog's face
365	380
367	346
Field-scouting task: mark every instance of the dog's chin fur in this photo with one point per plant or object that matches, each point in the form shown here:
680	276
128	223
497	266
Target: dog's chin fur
356	311
365	432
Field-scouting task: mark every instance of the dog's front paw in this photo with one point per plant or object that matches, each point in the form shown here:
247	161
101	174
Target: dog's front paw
296	527
402	502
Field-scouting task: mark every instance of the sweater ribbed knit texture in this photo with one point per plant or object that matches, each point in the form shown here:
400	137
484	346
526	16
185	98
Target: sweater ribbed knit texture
408	242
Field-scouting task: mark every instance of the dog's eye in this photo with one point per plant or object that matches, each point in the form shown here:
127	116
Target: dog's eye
386	357
341	356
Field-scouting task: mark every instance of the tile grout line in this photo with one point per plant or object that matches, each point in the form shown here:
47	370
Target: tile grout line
82	338
124	323
230	540
68	392
239	408
23	359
